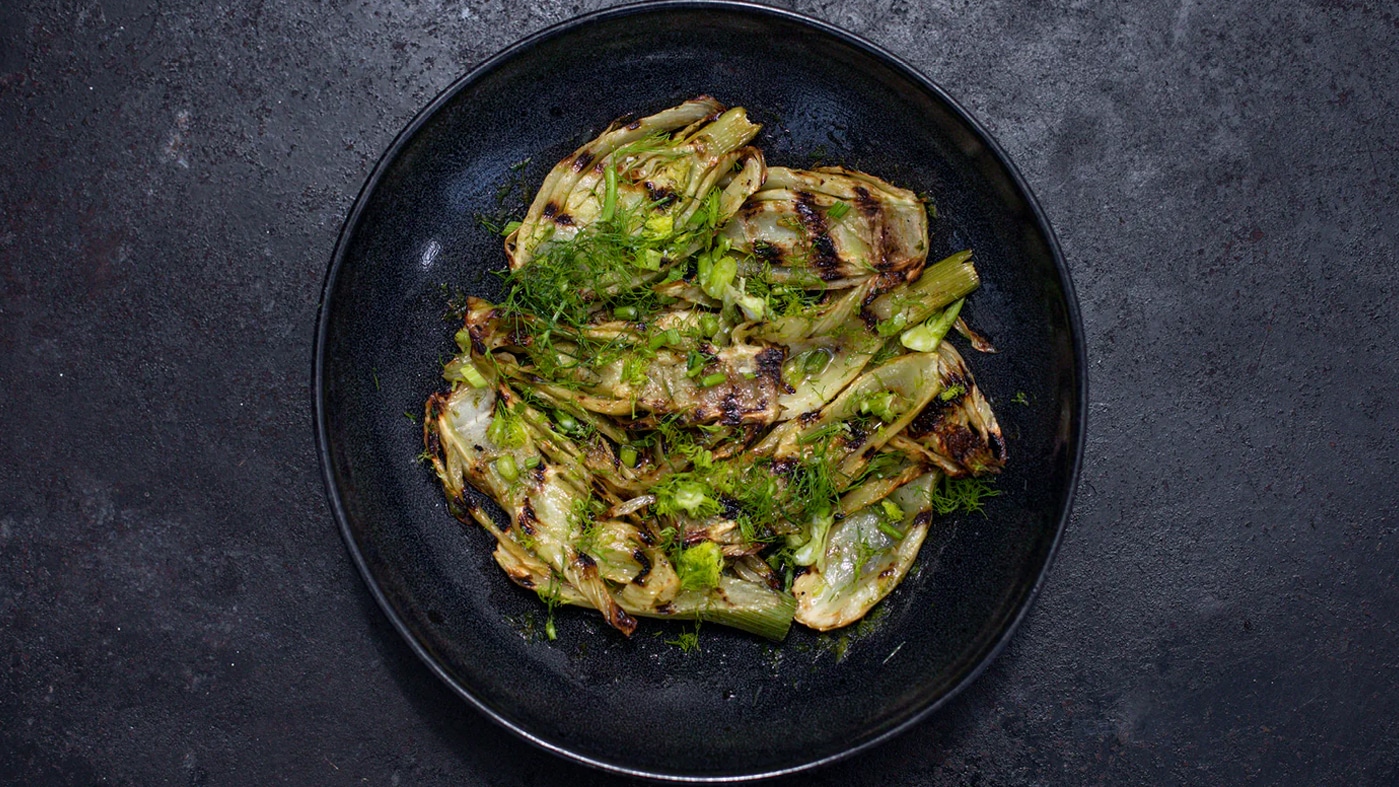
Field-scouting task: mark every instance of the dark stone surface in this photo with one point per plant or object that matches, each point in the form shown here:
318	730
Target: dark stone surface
177	606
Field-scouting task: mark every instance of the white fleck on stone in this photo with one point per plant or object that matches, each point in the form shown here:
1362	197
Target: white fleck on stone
175	144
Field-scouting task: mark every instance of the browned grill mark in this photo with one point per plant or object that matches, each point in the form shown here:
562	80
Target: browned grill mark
731	409
823	250
922	518
770	366
886	573
888	243
477	332
768	252
620	620
998	447
584	159
868	203
751	210
868	318
660	195
550	209
858	433
645	563
809	417
634	125
962	444
729	507
585	561
563	220
460	508
928	420
432	441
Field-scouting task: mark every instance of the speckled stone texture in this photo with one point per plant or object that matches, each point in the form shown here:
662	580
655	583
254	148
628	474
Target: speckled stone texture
177	606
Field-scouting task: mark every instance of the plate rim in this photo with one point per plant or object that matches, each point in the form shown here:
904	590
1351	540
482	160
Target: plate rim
1076	441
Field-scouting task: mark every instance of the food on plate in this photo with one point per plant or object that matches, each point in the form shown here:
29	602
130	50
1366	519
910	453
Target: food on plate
714	390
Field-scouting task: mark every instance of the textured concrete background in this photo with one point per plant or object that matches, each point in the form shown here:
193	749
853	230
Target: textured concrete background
177	606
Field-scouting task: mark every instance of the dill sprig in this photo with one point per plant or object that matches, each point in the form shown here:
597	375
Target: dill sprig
952	495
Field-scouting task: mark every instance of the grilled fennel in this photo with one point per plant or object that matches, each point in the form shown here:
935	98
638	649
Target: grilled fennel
715	390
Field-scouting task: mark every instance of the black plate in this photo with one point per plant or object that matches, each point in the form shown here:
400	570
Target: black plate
739	707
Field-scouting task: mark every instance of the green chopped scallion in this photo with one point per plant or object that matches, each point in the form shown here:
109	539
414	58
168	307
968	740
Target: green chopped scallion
721	274
667	338
566	422
507	468
472	376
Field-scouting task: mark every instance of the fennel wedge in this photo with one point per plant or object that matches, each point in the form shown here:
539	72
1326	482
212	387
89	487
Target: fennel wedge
714	390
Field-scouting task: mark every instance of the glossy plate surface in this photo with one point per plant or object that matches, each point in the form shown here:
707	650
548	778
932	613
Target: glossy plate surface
738	707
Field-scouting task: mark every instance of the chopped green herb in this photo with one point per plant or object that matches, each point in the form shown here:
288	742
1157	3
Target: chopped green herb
687	641
700	565
952	495
881	406
838	210
892	512
507	428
